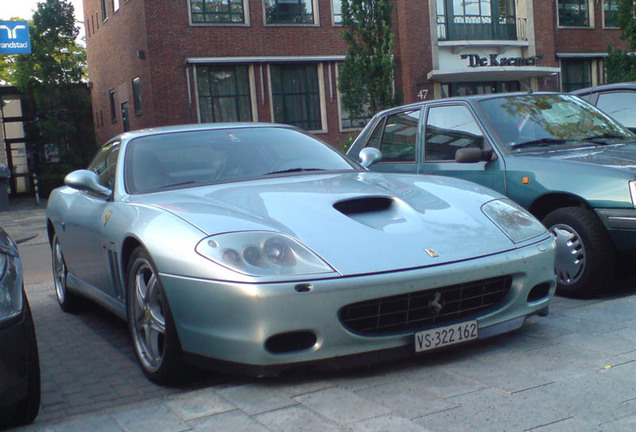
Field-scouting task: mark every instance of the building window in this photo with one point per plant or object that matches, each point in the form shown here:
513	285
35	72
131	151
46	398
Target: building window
336	8
477	88
575	74
136	88
476	20
289	11
224	93
610	13
104	11
574	13
115	5
217	11
296	95
113	111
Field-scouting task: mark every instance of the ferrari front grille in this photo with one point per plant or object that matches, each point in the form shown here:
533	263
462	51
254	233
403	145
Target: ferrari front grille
421	310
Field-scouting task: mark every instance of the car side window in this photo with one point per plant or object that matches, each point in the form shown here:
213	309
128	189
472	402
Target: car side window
396	136
105	164
619	105
449	128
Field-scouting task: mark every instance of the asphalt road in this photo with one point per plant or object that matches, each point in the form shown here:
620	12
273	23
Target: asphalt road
574	370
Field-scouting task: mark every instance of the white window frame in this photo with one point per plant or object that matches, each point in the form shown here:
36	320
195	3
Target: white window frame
252	84
321	93
246	18
316	12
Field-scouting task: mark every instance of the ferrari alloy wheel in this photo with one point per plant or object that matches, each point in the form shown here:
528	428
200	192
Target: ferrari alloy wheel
151	327
584	252
68	301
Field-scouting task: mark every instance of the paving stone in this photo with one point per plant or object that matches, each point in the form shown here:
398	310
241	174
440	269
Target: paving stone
102	423
265	396
492	410
406	398
156	418
297	419
387	423
199	404
230	422
341	406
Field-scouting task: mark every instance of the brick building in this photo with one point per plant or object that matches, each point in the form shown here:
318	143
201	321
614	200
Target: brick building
161	62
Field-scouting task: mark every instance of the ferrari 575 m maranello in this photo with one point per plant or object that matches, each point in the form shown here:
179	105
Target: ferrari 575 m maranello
256	247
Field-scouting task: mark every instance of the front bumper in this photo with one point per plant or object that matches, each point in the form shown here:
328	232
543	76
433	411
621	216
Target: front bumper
231	322
15	349
621	226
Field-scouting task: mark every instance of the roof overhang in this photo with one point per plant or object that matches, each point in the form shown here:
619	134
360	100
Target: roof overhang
491	73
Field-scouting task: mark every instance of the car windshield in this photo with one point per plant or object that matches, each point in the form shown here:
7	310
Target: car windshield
181	159
540	120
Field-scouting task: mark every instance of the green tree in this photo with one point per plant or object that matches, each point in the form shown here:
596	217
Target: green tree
52	75
621	64
366	77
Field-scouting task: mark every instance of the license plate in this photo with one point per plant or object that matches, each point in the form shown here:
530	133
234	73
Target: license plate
445	336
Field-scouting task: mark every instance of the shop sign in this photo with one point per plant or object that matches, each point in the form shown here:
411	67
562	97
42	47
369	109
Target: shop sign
476	60
14	37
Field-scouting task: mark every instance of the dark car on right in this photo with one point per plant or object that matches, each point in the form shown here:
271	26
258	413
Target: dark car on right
617	100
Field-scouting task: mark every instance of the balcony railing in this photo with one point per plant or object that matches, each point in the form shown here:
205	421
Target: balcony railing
474	27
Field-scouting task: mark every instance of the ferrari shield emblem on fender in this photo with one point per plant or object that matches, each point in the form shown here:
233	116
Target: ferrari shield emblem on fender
107	217
431	252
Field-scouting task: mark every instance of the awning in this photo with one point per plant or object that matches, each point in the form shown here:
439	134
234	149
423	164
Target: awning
491	73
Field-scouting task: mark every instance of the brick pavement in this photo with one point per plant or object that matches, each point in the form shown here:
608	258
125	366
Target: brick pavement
573	370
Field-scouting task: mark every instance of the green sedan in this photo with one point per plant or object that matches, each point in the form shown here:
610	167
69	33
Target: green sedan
570	165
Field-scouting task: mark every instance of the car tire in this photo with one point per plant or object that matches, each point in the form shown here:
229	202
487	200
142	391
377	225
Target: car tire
68	301
584	251
26	410
150	321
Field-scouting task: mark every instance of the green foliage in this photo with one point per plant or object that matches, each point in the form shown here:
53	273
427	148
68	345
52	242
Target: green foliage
366	77
51	75
621	64
56	59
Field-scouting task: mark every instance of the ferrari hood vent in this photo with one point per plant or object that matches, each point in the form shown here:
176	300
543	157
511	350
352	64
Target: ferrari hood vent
358	206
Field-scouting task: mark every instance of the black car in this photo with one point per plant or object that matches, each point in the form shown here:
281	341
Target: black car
617	100
19	361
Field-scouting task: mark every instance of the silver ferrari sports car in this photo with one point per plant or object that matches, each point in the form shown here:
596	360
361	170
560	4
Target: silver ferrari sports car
256	247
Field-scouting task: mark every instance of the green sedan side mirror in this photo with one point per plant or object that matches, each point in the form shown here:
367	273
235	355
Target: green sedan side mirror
473	155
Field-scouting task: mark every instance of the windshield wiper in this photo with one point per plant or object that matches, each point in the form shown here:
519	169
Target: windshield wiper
539	142
168	186
601	137
291	170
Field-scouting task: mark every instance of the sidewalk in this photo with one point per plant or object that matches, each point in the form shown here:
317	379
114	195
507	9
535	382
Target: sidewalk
25	221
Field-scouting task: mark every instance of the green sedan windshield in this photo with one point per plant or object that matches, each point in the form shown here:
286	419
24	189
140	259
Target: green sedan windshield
526	121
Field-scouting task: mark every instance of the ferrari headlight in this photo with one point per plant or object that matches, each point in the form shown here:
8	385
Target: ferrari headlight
261	253
513	220
10	287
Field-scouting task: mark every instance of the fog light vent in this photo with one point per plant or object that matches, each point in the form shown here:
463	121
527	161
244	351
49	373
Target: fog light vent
291	342
538	292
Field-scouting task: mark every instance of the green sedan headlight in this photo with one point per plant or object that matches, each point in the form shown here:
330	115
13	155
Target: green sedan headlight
10	288
513	220
261	253
632	191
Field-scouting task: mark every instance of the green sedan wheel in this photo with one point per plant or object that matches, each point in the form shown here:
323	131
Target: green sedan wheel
584	252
